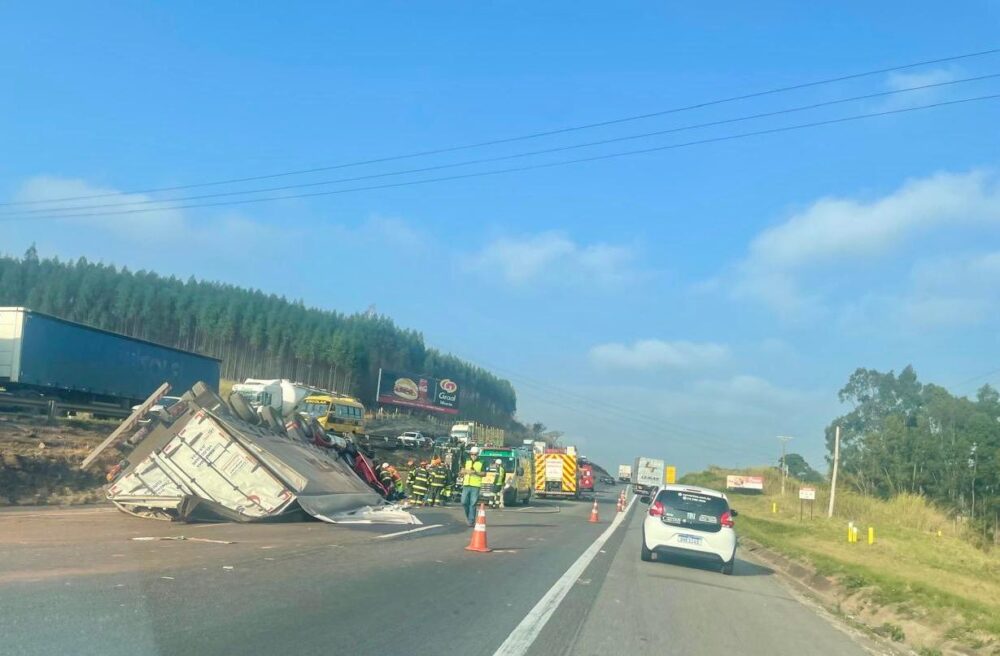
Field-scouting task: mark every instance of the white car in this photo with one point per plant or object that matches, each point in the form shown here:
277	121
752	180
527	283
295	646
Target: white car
685	520
412	439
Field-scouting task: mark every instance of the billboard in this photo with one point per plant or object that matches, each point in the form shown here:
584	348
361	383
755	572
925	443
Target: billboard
421	392
744	482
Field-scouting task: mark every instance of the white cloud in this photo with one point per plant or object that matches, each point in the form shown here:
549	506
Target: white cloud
652	354
836	230
43	189
554	257
909	80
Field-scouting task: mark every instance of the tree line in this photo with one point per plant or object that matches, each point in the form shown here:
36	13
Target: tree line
902	435
256	335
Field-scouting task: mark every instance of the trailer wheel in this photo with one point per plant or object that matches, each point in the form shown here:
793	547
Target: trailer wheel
243	409
271	419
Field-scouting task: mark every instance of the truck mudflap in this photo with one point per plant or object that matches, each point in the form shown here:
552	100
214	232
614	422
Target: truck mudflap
207	464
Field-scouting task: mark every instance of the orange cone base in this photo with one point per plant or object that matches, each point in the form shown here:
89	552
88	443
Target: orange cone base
478	541
593	514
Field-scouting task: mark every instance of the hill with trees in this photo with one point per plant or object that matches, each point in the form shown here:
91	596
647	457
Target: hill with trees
903	436
255	334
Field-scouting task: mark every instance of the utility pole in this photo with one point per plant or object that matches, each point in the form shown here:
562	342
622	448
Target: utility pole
784	470
836	463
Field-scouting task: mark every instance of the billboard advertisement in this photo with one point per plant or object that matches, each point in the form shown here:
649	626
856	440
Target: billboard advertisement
744	482
421	392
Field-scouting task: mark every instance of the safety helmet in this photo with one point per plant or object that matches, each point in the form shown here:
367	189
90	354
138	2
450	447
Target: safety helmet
385	465
474	450
498	461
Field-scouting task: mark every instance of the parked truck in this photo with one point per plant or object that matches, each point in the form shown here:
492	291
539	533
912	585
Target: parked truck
44	357
557	473
625	473
470	432
586	476
647	474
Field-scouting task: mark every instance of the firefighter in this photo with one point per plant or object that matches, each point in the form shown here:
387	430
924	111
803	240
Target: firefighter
385	478
438	478
411	474
421	483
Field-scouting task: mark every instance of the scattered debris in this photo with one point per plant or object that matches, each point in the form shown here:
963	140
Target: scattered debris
181	537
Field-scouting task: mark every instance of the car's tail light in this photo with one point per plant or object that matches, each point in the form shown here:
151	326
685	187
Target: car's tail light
656	510
726	519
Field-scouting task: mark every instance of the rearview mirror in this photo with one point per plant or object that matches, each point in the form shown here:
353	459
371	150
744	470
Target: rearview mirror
733	513
644	500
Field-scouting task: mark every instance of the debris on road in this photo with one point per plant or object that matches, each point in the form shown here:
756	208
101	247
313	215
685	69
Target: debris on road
181	537
204	459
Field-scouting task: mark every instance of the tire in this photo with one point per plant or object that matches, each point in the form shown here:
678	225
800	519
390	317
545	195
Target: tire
645	554
727	567
242	409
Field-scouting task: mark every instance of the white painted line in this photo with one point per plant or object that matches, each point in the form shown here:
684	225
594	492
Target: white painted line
521	638
412	530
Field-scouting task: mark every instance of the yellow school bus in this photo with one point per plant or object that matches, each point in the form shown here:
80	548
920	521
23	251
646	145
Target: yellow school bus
336	412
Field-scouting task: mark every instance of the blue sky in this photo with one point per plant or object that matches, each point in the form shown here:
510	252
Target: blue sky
691	303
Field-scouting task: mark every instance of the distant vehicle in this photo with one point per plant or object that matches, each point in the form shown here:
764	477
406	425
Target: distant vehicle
607	480
44	356
625	473
283	396
647	474
337	413
689	521
586	476
470	432
443	440
412	440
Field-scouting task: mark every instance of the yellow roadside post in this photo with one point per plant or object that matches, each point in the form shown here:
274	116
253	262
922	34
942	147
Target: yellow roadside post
774	507
850	531
871	535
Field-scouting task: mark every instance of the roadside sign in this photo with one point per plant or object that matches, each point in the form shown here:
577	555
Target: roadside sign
670	475
806	494
734	482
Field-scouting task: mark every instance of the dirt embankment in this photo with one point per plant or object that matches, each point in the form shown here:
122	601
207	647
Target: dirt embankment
40	461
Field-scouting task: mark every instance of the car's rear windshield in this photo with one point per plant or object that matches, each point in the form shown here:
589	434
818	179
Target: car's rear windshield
693	510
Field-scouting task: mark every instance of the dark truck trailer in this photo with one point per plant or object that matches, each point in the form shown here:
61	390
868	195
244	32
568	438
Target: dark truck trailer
41	355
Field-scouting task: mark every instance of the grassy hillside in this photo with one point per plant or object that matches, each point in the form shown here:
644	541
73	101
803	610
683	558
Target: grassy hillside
921	569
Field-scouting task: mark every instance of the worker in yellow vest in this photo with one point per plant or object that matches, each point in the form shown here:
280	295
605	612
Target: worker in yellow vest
472	481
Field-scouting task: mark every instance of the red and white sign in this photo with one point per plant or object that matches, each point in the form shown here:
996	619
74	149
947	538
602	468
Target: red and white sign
807	493
744	482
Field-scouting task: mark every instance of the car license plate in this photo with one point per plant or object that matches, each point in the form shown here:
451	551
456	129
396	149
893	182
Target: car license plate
689	539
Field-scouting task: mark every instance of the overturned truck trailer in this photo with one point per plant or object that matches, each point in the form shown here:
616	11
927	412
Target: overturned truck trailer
199	461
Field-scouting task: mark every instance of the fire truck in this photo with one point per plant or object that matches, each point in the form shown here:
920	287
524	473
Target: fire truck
557	471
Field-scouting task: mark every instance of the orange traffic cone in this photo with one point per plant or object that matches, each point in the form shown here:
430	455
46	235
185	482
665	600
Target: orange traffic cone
478	541
620	506
593	513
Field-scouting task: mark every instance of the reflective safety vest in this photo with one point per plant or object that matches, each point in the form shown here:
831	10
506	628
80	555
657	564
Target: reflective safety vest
501	475
474	479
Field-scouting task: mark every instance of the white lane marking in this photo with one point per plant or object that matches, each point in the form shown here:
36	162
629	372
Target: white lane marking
412	530
521	638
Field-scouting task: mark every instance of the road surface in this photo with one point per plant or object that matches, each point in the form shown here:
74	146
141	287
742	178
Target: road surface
75	581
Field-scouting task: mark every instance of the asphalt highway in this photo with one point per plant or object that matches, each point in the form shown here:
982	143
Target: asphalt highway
75	581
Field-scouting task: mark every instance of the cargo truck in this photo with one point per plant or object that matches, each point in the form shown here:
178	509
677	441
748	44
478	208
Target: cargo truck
469	432
44	357
518	475
625	473
647	474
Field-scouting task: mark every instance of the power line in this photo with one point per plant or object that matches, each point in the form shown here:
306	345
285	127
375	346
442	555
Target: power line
531	167
499	158
534	135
